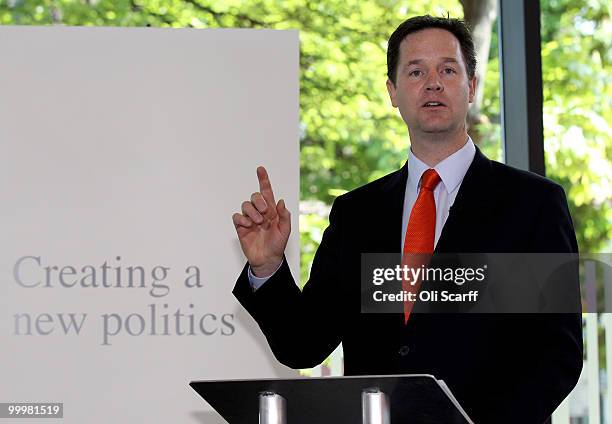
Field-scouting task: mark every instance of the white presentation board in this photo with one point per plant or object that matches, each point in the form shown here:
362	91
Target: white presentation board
123	155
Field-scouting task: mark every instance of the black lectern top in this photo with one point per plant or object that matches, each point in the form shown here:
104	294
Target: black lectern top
418	399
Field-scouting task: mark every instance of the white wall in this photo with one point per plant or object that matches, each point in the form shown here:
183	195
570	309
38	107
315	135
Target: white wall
138	144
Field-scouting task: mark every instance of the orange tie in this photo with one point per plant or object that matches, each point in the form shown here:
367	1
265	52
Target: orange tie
420	234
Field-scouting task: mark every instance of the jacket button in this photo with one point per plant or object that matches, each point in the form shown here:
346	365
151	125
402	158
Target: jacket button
404	350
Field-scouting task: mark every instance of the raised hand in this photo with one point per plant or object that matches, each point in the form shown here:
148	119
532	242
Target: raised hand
263	228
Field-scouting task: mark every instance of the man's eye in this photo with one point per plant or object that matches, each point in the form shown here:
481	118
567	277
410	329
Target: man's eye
415	73
449	71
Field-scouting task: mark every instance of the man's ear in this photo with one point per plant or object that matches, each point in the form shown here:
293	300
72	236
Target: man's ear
472	84
392	93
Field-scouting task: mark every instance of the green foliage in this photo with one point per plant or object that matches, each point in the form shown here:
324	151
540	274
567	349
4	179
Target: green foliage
311	232
578	111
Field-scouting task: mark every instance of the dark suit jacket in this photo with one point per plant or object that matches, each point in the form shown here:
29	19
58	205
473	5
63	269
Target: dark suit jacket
513	368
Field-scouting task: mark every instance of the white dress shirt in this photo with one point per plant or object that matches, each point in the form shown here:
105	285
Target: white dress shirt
451	171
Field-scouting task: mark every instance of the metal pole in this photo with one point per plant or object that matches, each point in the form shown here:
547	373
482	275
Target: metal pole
375	407
272	408
521	78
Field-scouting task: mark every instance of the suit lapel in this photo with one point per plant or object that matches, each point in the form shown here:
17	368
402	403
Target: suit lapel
390	230
470	207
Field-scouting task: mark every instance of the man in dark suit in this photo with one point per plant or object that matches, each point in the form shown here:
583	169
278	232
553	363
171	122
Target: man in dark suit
502	368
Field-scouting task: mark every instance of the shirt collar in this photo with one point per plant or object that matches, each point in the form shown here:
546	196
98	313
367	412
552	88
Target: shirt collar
451	170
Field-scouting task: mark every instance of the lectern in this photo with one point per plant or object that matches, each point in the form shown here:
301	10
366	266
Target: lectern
395	399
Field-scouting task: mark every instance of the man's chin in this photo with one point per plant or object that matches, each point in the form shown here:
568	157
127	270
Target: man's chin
436	125
436	130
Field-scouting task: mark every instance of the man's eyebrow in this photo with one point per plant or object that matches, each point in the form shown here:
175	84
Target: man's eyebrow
419	61
414	62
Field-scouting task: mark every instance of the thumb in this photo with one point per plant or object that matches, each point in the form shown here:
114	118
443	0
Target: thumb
284	216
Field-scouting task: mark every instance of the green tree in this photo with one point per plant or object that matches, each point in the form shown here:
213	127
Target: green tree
577	112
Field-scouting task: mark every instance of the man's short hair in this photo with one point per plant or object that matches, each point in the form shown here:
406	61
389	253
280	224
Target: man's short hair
456	27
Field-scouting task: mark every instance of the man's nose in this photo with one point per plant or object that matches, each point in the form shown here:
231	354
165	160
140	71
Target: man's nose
434	84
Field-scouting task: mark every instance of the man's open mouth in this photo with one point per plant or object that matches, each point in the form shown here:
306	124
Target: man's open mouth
433	104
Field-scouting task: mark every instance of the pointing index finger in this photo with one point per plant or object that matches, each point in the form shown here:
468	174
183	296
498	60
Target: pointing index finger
265	187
